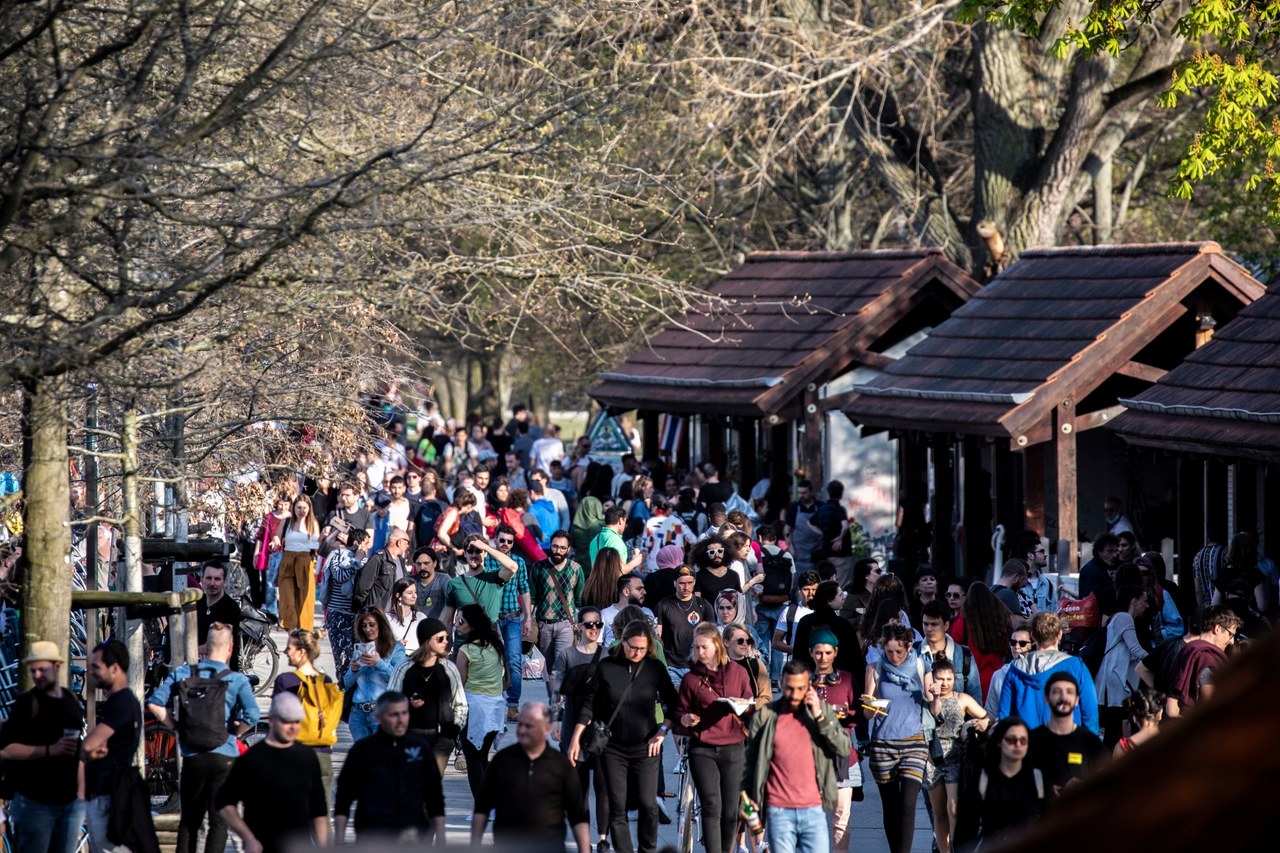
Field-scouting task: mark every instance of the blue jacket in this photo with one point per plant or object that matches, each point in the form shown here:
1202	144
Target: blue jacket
241	706
1023	691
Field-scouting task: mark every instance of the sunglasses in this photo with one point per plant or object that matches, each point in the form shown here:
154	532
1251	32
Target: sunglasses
1019	644
591	625
712	552
742	641
502	542
1016	740
955	595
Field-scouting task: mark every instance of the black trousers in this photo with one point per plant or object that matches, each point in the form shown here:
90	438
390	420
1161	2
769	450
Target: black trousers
898	808
202	776
477	761
591	778
717	777
629	769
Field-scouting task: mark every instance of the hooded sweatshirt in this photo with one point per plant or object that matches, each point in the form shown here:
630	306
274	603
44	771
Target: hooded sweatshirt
1023	691
699	690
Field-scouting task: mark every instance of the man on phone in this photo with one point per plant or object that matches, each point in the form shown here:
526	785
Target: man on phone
43	733
793	745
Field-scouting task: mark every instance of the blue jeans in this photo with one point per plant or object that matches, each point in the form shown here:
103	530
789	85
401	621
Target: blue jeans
46	827
273	577
797	830
677	674
97	814
513	639
767	616
362	724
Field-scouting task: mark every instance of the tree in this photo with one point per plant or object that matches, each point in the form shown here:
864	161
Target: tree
868	123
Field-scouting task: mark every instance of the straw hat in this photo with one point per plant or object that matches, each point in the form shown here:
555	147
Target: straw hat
44	650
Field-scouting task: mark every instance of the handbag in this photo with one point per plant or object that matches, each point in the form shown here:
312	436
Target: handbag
595	737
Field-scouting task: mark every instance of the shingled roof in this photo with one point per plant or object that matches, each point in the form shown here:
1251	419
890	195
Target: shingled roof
779	322
1053	326
1224	399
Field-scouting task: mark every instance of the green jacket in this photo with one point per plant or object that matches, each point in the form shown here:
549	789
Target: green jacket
830	744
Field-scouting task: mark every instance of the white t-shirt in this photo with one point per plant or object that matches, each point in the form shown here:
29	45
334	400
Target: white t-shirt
398	514
544	452
609	614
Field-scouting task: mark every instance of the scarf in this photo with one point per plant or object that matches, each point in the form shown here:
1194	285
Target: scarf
587	522
906	675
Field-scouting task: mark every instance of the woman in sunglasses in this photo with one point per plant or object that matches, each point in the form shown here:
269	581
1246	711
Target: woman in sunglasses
1010	791
741	645
716	734
574	667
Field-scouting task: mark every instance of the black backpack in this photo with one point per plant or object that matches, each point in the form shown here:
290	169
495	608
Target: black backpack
777	578
202	709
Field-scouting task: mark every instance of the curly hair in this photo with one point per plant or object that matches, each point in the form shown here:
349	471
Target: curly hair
987	621
1144	705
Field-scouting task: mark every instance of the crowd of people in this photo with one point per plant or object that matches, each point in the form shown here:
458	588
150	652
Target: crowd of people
744	632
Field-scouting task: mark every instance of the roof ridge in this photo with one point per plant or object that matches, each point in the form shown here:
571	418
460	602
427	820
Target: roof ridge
1203	247
821	256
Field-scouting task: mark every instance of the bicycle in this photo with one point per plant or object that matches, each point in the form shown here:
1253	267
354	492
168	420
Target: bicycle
688	807
259	655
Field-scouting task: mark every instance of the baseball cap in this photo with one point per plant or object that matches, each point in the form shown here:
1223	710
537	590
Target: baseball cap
287	707
685	572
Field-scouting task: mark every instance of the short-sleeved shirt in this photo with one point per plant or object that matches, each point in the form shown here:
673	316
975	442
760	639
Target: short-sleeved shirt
38	719
281	790
484	669
484	589
1062	758
677	619
122	713
432	595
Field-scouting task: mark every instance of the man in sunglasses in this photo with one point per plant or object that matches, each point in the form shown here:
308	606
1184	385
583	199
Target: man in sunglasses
487	572
1029	676
1061	749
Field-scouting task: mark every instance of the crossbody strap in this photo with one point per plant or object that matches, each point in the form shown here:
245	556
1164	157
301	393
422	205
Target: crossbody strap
623	698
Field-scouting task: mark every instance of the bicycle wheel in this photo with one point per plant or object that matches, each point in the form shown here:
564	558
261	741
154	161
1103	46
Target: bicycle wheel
687	811
160	750
259	657
257	734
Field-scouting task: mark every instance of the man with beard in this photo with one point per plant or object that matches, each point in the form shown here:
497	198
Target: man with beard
42	736
556	585
431	584
1061	749
1038	595
714	573
487	571
677	617
109	748
631	590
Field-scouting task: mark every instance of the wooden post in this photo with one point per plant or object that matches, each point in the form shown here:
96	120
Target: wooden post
1033	488
811	446
650	437
1064	442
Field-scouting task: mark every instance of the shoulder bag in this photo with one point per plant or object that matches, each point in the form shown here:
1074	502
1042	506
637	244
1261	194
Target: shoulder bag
596	736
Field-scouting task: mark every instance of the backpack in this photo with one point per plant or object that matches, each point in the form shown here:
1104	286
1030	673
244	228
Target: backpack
321	709
777	578
202	709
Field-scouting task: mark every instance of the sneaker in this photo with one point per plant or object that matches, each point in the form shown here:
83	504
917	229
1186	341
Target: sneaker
513	713
602	846
460	763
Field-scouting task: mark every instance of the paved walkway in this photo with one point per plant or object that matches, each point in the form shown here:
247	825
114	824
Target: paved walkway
867	835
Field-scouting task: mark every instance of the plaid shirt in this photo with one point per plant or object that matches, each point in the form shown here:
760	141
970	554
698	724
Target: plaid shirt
548	604
518	585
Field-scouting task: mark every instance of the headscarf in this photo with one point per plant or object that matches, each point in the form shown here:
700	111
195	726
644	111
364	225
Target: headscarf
740	603
669	556
587	522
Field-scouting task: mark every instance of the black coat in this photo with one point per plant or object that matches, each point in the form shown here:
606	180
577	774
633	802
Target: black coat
373	584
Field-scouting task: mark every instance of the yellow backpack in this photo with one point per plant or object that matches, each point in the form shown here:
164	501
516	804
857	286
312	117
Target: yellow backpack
322	711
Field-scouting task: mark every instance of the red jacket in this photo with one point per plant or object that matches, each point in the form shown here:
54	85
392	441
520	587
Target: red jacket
700	689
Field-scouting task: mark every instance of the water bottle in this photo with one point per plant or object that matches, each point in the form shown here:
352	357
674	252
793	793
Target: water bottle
751	816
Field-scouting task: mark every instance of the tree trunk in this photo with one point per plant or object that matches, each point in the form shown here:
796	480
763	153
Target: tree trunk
488	397
46	491
132	551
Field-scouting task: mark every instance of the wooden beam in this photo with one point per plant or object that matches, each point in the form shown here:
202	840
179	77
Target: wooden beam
837	401
1138	370
878	360
1033	488
811	443
1102	417
1064	443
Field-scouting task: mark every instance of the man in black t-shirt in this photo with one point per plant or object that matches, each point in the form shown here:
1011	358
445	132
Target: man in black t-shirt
677	617
1061	749
348	513
278	782
42	739
217	606
109	748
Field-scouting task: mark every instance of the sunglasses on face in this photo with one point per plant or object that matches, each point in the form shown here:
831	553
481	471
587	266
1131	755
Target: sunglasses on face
502	542
1019	644
592	626
742	641
955	595
1016	740
714	552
